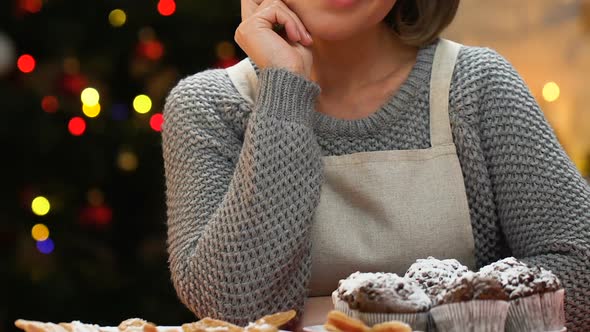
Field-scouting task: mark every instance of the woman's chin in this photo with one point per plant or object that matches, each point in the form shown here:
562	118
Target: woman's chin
329	32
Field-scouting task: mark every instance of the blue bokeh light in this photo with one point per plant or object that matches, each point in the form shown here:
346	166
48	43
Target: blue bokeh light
45	247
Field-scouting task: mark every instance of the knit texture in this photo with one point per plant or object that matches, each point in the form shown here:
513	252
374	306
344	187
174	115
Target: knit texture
243	180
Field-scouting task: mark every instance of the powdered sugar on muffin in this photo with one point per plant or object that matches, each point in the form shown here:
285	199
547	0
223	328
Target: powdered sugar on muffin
434	275
348	286
383	293
503	265
472	286
520	280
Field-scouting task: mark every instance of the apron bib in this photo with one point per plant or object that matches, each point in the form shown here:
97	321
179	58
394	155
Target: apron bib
380	211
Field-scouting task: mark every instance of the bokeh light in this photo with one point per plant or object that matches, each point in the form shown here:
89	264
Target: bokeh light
156	121
73	84
50	104
551	91
40	232
152	49
225	50
71	65
117	18
45	247
95	197
90	96
127	161
31	6
7	53
166	7
91	111
146	33
77	126
142	104
40	206
26	63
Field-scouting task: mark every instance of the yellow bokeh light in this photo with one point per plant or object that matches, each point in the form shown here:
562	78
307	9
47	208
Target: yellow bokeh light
551	91
40	206
142	104
40	232
91	111
95	197
225	50
127	161
117	18
90	97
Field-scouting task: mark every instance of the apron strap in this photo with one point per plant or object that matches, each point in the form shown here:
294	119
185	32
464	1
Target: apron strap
443	66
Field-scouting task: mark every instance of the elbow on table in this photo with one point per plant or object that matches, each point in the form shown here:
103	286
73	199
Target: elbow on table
186	287
205	299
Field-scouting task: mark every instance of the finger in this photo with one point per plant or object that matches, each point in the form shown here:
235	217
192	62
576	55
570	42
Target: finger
249	7
305	38
276	14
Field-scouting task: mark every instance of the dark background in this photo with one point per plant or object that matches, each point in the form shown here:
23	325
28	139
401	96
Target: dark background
108	223
106	187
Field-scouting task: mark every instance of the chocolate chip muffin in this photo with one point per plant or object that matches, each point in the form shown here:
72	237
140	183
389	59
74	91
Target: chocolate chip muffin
472	302
536	295
383	293
472	286
434	275
521	280
382	297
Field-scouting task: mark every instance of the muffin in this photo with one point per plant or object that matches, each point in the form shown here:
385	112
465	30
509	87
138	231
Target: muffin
536	295
381	297
434	275
472	302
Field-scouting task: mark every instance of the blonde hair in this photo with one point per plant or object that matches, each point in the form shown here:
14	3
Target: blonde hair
420	22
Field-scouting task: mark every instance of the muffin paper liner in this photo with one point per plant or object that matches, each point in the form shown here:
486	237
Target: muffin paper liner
418	321
539	312
471	316
343	307
431	324
525	314
553	310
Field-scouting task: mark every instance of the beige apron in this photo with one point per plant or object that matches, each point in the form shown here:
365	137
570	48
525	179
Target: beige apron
380	211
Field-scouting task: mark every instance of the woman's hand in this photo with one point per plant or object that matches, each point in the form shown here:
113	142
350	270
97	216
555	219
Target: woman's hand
266	47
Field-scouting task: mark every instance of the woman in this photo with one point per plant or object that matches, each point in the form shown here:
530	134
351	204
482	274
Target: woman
356	139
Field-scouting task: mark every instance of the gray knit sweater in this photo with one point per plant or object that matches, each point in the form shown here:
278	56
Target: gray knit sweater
243	180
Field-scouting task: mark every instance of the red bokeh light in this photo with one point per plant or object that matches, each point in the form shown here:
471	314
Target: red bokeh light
99	216
77	126
226	63
156	121
31	6
166	7
73	84
26	63
151	49
49	104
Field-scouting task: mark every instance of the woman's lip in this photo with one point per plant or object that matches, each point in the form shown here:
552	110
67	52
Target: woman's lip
341	3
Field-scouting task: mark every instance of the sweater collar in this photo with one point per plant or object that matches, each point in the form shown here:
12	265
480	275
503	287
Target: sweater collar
403	98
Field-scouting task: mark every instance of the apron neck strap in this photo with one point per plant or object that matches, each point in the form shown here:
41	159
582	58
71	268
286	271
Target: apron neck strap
443	66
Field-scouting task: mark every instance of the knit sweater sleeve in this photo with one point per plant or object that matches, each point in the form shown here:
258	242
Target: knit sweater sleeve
543	203
239	213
